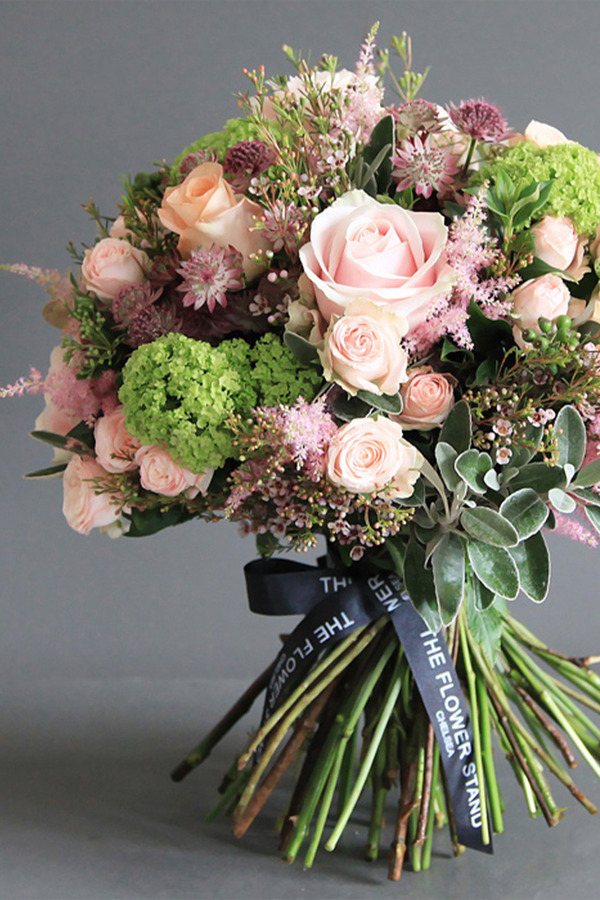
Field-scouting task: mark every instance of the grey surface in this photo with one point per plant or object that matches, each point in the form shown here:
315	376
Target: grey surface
114	655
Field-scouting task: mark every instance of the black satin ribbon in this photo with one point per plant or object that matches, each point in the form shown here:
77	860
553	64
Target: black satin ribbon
334	605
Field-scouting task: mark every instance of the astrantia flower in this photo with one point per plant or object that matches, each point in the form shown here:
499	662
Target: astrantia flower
480	120
245	161
416	115
133	300
421	164
208	275
152	323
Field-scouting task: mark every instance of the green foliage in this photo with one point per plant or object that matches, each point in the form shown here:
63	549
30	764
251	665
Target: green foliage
373	171
533	562
150	521
495	568
486	625
420	586
570	437
489	527
456	430
448	564
219	142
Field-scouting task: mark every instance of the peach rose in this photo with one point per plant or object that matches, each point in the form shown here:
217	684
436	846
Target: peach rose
160	474
543	135
115	447
557	243
370	455
360	248
362	349
545	297
203	210
428	398
83	508
111	265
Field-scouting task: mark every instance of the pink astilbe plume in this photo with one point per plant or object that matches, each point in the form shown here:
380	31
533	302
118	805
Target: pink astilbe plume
469	251
81	398
32	385
572	527
58	285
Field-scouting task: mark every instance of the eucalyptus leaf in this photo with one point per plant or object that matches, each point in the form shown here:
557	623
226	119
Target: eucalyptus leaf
525	511
456	430
489	526
303	350
448	563
562	501
495	568
472	466
533	562
420	586
569	430
445	455
389	403
539	477
589	475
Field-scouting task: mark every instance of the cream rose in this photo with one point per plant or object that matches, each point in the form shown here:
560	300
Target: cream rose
83	508
543	135
362	351
360	248
115	447
557	243
428	397
160	474
369	455
203	210
546	297
111	265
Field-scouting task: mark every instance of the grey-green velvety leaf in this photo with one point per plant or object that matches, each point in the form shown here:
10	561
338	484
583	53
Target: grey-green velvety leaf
570	437
533	562
525	511
49	472
586	495
589	475
561	501
396	552
302	349
491	480
490	527
482	596
445	455
389	403
495	568
448	562
456	430
593	516
472	466
420	586
539	477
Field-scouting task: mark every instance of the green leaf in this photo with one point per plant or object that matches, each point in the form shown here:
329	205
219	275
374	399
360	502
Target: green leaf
539	477
389	403
63	442
420	586
396	552
586	495
533	562
445	455
489	336
486	371
472	467
49	472
456	430
152	520
417	498
589	475
486	626
302	349
489	526
522	455
482	596
525	511
379	150
570	437
448	563
348	408
495	568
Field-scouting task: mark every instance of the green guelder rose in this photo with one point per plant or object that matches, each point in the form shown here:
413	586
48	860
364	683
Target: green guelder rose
180	393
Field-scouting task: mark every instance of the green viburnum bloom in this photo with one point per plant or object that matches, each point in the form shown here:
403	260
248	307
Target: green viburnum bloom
179	392
573	169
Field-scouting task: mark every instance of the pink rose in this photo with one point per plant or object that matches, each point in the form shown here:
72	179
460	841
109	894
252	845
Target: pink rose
115	447
203	210
362	349
370	455
111	265
546	297
428	398
160	474
558	244
543	135
360	248
83	508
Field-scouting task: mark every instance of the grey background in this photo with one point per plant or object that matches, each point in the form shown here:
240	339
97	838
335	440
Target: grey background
115	656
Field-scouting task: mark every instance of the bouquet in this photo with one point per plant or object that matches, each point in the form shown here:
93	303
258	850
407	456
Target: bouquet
372	324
